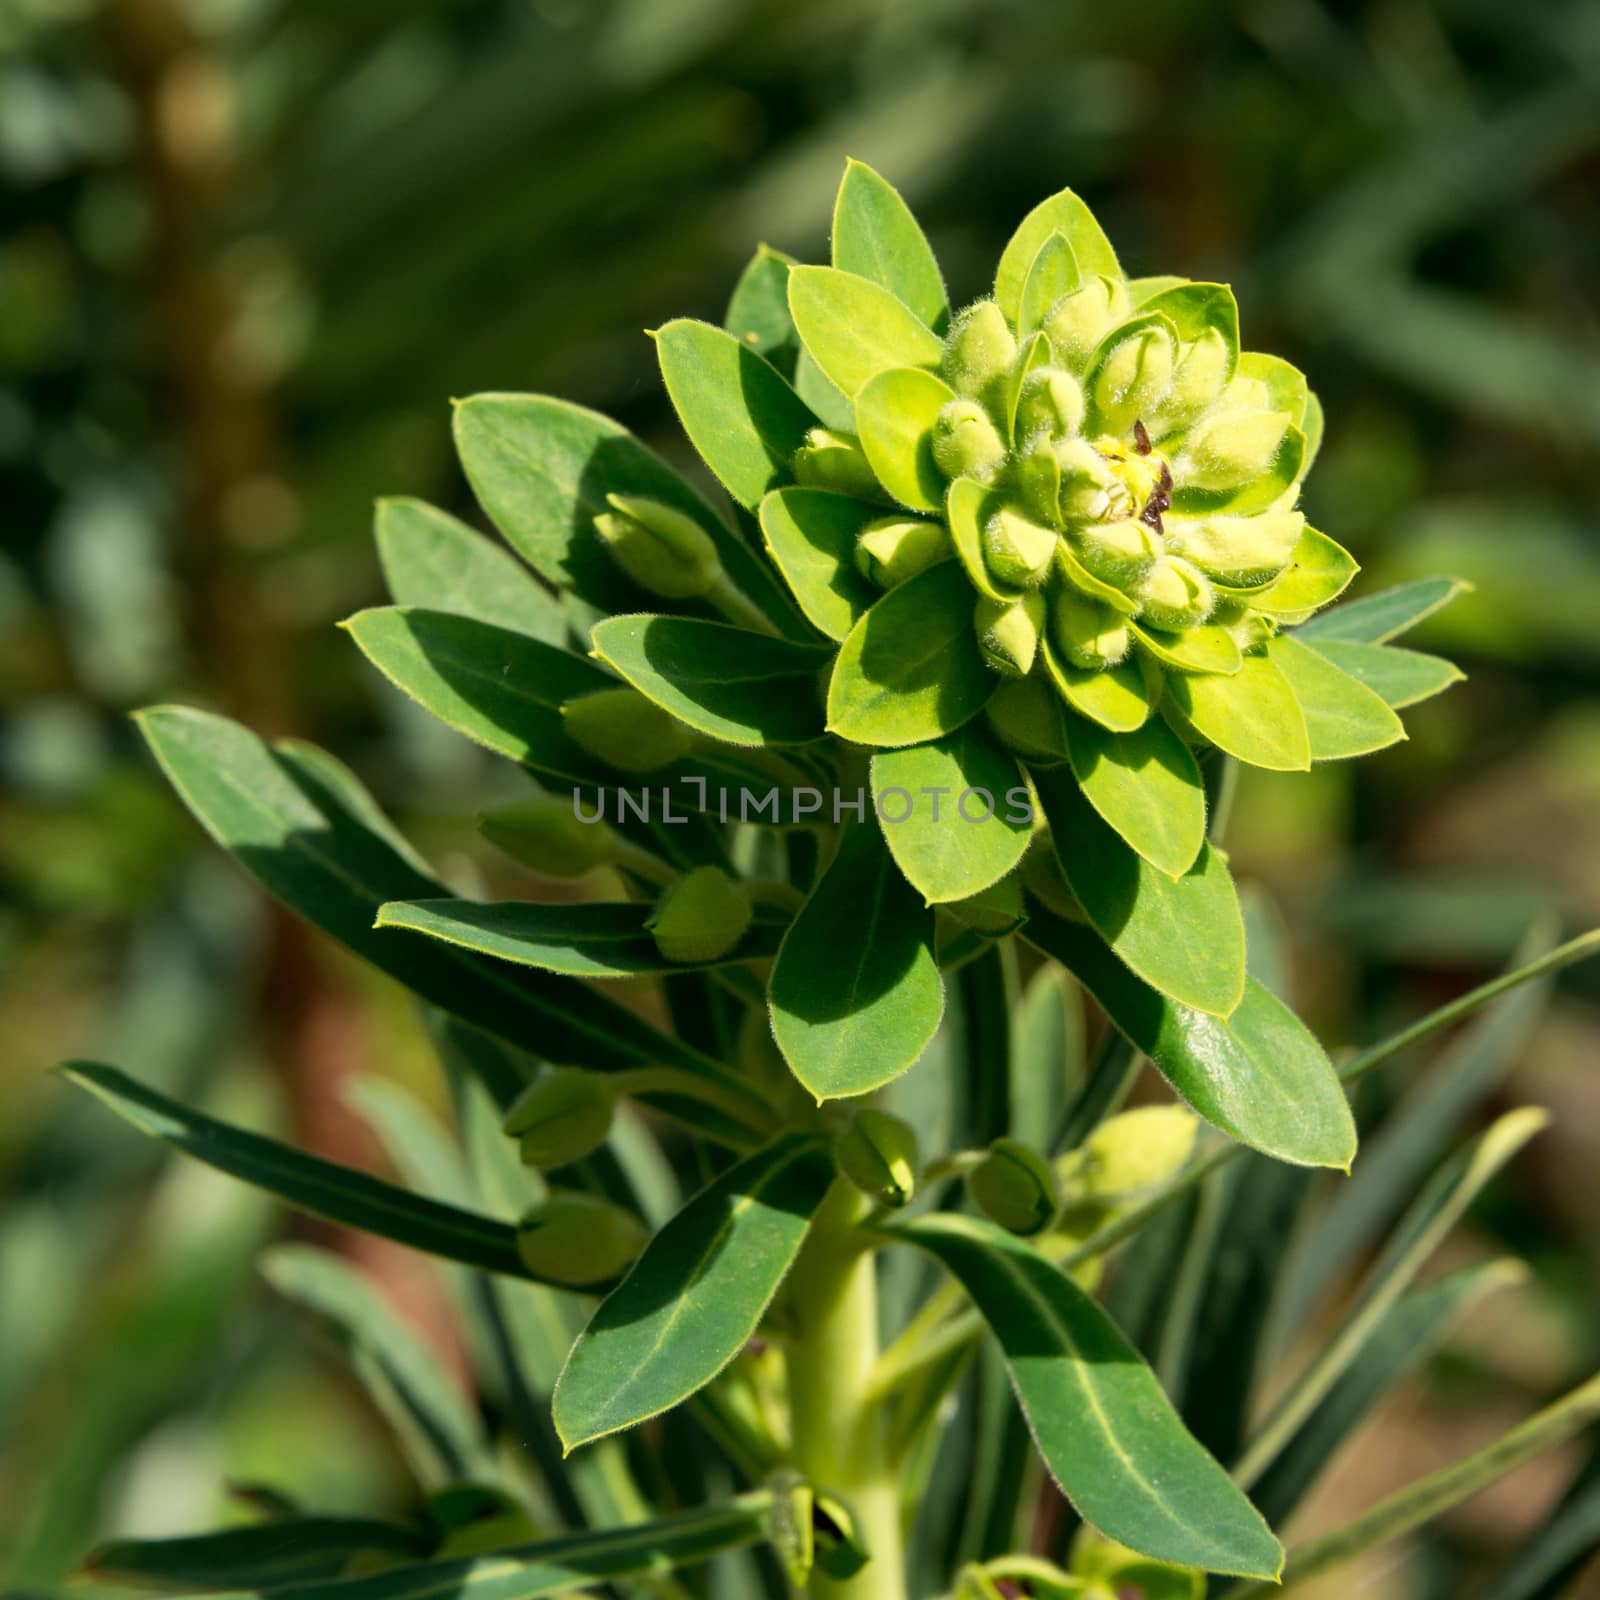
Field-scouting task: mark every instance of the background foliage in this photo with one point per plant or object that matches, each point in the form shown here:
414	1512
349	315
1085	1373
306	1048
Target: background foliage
247	247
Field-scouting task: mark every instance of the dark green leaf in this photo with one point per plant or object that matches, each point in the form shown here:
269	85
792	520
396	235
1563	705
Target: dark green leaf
758	312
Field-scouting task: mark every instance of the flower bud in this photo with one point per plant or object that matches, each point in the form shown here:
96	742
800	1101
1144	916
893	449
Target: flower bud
1078	321
892	549
1197	380
966	443
1015	1187
544	833
1008	633
979	349
661	548
1085	481
878	1154
625	730
1016	551
1118	553
1240	551
1051	403
1230	449
700	917
1175	595
1128	1154
1133	376
1026	714
577	1239
831	460
1087	632
561	1117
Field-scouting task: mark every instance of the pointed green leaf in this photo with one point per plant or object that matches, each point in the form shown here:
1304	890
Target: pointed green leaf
597	939
875	236
1062	213
1398	677
811	536
1343	716
1035	353
430	558
758	310
695	1297
1377	618
966	507
963	812
835	410
1109	1436
1286	386
855	993
747	688
542	469
854	329
895	414
1207	648
1319	570
1260	1076
738	409
1119	698
1193	308
1146	784
1253	715
1052	274
910	669
1184	936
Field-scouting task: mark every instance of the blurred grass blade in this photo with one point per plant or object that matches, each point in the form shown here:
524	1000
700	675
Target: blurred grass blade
1047	1052
442	1437
1544	1567
1377	618
340	1194
424	1154
1420	1232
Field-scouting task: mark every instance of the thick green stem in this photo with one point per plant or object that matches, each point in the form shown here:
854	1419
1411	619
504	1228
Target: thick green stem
839	1430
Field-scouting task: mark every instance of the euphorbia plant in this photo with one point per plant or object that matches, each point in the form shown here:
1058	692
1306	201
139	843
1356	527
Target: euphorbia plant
947	695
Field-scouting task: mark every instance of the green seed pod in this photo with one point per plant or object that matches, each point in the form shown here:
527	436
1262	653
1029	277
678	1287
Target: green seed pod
1078	321
576	1239
1015	1186
1230	448
1051	404
878	1154
544	833
1008	633
979	350
661	548
831	460
1128	1154
561	1117
1175	595
1119	553
1134	375
701	917
1197	381
1016	551
1026	714
966	443
892	549
625	730
1087	632
1239	551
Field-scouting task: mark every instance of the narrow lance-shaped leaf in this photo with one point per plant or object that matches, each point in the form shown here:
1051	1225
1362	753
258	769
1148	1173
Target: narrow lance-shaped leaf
1106	1431
696	1295
1398	677
1062	213
855	994
758	310
1377	618
1343	716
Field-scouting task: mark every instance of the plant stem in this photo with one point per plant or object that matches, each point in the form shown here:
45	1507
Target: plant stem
839	1432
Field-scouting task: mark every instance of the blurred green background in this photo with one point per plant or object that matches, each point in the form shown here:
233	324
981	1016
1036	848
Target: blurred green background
250	248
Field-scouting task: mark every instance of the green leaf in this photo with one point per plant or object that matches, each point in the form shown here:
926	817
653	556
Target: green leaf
1047	1051
811	536
1192	308
430	558
1052	274
746	688
895	414
1260	1076
696	1296
1146	784
875	236
963	794
1106	1431
966	506
1398	677
854	329
1062	213
1343	716
1377	618
1119	698
1184	936
758	311
855	993
308	1183
835	410
737	409
1253	715
269	1555
1319	570
542	469
304	840
1208	648
910	669
419	1401
597	939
